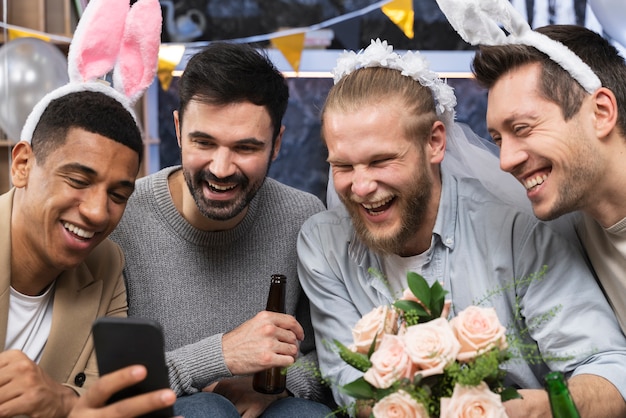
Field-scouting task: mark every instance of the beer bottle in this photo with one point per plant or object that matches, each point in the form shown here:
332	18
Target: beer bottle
561	401
272	381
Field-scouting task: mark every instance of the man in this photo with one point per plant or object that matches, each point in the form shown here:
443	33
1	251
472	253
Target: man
563	143
202	240
406	211
59	273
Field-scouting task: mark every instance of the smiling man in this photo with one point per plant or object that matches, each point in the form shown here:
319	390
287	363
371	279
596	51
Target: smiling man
566	145
71	180
388	125
202	240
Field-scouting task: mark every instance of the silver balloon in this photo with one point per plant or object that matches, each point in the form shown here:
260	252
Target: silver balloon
29	69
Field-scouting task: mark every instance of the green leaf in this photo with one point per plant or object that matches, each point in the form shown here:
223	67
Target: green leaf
411	306
359	389
357	360
372	348
419	287
509	393
438	295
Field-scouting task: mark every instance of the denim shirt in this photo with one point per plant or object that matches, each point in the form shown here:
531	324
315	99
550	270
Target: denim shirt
482	251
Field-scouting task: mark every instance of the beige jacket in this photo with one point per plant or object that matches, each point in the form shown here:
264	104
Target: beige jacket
93	289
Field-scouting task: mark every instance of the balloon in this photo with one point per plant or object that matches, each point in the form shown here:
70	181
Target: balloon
612	16
29	69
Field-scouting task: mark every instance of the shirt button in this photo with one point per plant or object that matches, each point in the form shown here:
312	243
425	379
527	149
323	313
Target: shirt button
449	241
79	380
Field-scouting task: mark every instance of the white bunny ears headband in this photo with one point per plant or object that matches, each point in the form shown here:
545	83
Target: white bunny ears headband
111	35
411	64
477	21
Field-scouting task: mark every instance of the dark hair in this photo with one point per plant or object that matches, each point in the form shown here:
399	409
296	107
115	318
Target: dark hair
556	85
225	72
89	110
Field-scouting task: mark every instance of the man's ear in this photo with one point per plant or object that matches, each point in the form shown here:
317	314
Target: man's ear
605	112
177	126
278	142
22	159
437	143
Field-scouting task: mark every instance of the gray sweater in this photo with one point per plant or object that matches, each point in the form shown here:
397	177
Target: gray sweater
199	285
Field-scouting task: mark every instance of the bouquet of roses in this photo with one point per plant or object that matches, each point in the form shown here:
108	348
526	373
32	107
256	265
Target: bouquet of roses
416	363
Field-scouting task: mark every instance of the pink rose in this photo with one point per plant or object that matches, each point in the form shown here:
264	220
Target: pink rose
399	405
472	402
379	321
431	346
478	330
390	363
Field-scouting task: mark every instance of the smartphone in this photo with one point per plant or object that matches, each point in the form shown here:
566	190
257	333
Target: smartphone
122	342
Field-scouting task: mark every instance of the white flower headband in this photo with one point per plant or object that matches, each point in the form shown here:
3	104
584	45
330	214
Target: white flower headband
411	64
477	21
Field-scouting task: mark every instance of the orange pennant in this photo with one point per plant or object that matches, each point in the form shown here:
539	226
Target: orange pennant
291	47
402	14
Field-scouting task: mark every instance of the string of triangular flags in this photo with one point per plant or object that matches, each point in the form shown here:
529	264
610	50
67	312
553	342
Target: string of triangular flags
289	42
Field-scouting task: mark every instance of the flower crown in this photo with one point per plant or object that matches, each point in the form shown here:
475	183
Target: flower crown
411	64
478	22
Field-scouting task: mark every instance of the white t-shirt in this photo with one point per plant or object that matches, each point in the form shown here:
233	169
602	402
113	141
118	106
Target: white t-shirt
30	318
397	267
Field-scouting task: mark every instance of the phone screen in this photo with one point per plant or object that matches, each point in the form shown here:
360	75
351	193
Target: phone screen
122	342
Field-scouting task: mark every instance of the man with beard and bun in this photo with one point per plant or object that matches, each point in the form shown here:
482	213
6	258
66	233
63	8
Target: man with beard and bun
387	123
202	240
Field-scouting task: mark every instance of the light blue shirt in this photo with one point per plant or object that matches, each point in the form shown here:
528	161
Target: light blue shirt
483	248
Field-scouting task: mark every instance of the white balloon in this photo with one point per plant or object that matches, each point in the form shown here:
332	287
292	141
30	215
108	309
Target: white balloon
29	69
612	16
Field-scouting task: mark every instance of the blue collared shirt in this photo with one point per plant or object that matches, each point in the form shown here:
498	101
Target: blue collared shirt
483	249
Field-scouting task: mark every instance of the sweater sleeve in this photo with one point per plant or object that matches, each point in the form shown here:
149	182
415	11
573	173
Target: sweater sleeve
194	366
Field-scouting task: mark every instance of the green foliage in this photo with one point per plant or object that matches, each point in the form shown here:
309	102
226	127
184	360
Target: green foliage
359	361
431	301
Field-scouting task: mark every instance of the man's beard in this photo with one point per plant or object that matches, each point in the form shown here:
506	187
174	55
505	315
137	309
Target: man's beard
216	209
413	206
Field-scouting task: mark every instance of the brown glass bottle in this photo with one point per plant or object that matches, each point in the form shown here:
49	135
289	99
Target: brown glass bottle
272	381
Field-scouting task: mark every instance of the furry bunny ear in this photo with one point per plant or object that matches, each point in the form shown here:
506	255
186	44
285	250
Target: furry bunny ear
96	42
111	35
478	22
138	54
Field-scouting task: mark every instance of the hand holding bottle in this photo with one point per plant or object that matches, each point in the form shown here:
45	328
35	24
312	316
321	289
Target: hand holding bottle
270	339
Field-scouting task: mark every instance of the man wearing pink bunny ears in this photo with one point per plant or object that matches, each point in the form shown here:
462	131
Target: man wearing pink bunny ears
73	172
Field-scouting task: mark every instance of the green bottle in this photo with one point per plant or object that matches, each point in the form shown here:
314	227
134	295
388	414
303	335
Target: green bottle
561	401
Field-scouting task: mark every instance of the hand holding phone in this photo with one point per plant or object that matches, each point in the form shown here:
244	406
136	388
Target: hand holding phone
122	342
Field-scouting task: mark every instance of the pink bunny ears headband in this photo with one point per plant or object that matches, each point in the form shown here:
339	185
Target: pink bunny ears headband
111	35
478	22
411	64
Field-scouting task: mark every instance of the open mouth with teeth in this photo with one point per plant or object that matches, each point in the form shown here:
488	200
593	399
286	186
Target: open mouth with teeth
218	188
78	232
534	181
377	208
